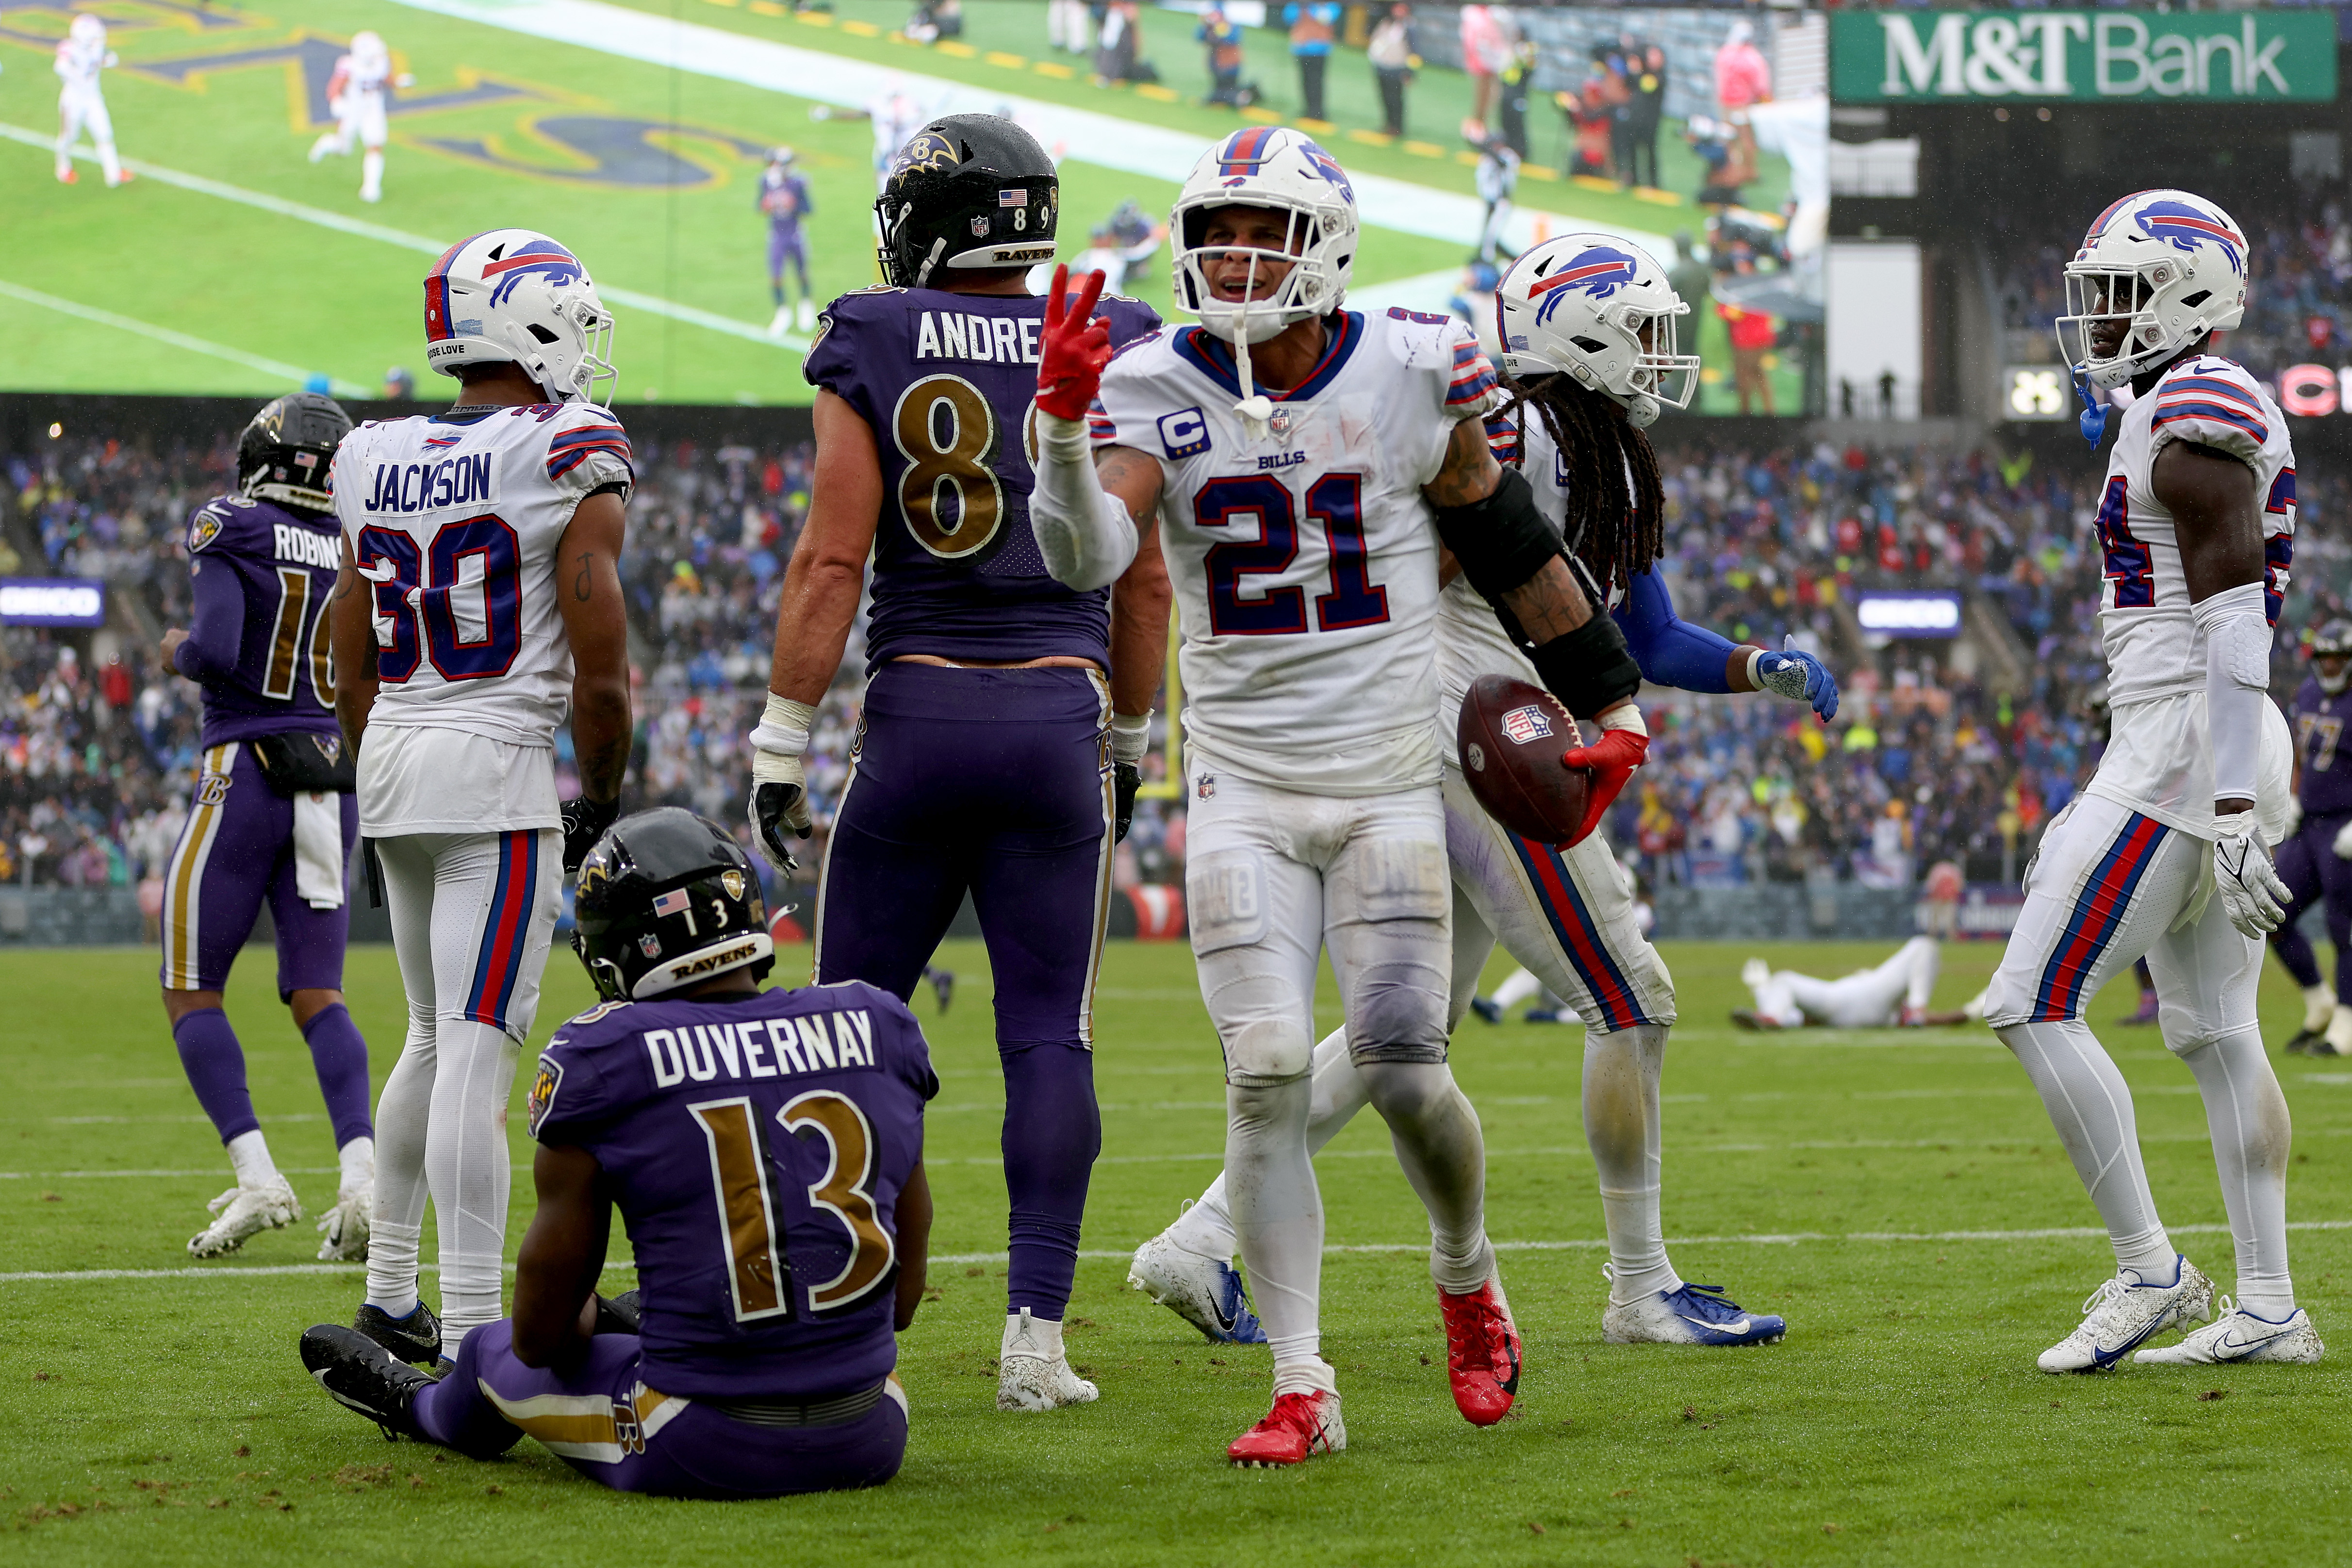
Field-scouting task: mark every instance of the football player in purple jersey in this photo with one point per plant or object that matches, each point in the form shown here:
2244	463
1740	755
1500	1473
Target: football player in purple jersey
273	818
2315	861
1006	714
765	1150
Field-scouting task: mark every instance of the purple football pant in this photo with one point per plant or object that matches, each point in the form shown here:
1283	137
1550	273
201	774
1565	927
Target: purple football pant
2308	864
236	852
997	782
785	246
601	1419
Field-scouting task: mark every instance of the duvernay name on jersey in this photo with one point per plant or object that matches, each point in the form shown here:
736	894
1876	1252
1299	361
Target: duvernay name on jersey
983	340
290	543
460	481
762	1048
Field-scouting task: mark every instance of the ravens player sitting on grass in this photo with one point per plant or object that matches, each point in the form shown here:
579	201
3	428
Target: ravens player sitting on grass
765	1150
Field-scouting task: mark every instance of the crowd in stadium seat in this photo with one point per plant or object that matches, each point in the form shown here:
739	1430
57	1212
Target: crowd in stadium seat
1935	754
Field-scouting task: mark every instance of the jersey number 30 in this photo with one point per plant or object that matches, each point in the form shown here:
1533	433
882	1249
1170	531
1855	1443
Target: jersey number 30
1336	501
757	1267
428	584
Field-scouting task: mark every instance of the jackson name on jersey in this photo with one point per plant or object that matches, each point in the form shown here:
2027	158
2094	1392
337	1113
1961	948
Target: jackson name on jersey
1305	561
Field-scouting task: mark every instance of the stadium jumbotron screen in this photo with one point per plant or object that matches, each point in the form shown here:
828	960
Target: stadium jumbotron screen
641	134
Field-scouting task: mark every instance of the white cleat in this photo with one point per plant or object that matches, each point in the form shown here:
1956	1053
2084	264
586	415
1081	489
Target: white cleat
1692	1315
2236	1334
1032	1372
2123	1313
345	1227
1205	1291
781	322
1973	1010
245	1211
805	317
1755	973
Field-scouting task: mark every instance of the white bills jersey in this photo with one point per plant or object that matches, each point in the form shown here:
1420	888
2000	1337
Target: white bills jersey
359	80
454	522
1305	562
79	62
2159	760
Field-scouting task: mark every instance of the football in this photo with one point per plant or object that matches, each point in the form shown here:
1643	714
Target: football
1510	738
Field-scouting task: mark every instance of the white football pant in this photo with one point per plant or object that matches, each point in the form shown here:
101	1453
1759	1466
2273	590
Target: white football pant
1868	999
85	110
472	915
2109	886
1273	878
361	121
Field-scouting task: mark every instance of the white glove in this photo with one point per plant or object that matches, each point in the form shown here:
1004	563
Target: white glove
779	779
2344	843
2251	891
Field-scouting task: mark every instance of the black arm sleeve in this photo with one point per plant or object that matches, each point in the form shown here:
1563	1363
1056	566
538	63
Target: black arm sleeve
1589	669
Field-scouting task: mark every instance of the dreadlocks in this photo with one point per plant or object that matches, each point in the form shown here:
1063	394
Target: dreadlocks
1616	531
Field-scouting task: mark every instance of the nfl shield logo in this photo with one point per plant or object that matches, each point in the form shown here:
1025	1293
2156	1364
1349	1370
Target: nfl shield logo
978	227
1526	723
649	945
1279	423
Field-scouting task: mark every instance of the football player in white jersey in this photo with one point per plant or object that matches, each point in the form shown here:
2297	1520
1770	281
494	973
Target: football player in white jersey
479	602
356	95
81	55
2166	853
1589	324
1297	455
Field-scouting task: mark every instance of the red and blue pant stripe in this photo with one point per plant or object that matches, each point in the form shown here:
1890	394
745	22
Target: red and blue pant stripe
2098	915
1580	937
498	966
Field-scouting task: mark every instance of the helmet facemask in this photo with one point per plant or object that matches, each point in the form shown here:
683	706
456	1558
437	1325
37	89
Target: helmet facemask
1301	286
2124	298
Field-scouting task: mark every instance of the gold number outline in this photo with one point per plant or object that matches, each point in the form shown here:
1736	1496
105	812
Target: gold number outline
980	514
873	1252
322	663
756	1270
286	637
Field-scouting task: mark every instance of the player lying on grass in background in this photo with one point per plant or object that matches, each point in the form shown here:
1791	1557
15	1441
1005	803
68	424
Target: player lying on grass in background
1893	995
1592	322
764	1148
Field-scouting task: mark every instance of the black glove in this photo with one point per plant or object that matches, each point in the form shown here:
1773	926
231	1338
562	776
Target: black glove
584	821
619	1314
1125	779
778	810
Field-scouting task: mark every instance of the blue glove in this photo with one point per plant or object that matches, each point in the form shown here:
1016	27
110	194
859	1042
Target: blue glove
1799	676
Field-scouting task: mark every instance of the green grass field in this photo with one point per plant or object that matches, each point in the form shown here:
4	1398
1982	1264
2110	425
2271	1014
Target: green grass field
233	265
1899	1197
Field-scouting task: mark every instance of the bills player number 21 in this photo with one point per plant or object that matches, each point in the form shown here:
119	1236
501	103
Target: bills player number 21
1334	501
477	555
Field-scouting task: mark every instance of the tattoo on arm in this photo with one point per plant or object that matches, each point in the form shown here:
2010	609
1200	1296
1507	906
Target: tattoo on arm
1126	472
1551	604
580	584
1470	472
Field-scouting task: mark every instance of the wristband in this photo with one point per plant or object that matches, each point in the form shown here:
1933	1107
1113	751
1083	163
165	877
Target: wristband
1130	737
1626	717
784	729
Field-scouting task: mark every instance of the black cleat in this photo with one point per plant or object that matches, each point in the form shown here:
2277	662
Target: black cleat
360	1373
416	1338
624	1313
2307	1040
942	985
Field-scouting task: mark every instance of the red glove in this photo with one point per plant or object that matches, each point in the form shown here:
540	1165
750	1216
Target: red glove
1073	347
1612	760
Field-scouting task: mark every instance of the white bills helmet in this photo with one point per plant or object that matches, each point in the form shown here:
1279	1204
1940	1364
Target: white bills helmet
2166	267
1598	308
1279	169
87	29
518	295
368	50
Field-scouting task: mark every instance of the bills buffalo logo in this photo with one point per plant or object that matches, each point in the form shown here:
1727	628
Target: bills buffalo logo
543	1085
1324	164
732	881
929	154
204	528
1598	271
1523	725
2185	228
541	258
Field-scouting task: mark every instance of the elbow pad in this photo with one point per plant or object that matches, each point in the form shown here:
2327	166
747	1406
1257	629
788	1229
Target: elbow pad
2237	683
1589	669
1083	531
1502	540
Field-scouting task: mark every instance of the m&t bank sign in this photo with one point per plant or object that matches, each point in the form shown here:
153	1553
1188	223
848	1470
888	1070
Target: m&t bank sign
2089	57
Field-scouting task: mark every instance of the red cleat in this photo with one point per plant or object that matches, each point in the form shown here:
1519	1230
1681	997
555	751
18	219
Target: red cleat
1482	1352
68	176
1300	1425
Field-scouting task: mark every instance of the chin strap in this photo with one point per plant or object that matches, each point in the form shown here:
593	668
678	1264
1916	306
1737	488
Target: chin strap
2096	409
1256	409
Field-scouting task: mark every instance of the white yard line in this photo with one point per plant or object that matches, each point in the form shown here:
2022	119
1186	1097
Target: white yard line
359	228
1783	1239
1105	140
293	374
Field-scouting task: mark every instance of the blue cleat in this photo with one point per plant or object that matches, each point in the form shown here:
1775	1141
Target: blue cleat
1206	1292
1487	1008
1695	1315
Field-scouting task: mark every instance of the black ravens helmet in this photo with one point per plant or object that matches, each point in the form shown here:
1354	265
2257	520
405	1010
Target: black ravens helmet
285	453
667	899
2334	640
967	190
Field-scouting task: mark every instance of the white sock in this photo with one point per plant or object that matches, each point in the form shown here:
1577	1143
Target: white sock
391	1267
2318	1006
467	1167
248	1156
402	1113
372	176
2252	1135
1305	1374
2090	1108
1622	1128
1439	1144
1516	989
1044	1335
357	1159
2340	1030
1207	1226
1277	1215
109	163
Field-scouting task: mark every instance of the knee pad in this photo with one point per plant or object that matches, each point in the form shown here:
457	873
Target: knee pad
1408	1091
1266	1052
1397	1017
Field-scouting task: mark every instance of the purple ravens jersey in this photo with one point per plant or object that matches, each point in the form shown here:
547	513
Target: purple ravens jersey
263	575
2319	723
945	381
756	1147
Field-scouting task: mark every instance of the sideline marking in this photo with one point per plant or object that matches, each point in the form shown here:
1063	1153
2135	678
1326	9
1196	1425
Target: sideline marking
148	330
